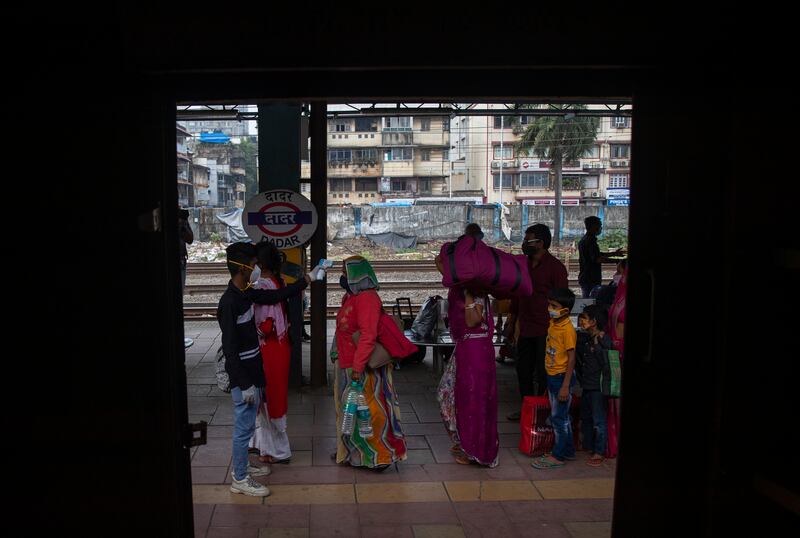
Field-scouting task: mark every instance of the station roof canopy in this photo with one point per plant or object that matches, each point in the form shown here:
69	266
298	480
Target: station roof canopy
608	107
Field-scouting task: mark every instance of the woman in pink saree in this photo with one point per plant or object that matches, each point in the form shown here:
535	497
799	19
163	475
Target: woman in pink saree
616	330
468	390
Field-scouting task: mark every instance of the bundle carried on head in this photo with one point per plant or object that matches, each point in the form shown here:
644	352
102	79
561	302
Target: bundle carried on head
469	262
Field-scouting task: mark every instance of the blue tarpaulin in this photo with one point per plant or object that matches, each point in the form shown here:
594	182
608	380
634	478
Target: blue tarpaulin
216	137
388	204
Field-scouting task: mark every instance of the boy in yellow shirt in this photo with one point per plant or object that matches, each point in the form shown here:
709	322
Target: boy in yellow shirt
560	366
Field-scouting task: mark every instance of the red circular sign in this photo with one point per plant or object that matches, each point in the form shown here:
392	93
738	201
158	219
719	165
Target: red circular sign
279	234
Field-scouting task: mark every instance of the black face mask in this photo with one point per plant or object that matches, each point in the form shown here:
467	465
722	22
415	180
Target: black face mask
344	284
528	250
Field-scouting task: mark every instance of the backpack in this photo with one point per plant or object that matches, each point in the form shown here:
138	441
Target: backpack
223	381
427	318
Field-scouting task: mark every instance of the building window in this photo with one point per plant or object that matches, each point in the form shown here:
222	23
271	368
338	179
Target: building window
366	184
445	154
397	123
506	152
590	182
618	181
340	126
592	153
508	180
360	155
426	124
506	120
341	185
426	155
340	155
366	124
426	185
372	136
446	124
534	180
572	182
620	151
620	122
398	154
403	185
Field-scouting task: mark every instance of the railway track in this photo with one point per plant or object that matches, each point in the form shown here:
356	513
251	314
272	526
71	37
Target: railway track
396	266
214	289
200	311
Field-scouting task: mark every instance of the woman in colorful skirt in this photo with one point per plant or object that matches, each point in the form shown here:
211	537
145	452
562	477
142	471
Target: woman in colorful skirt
468	389
270	438
361	312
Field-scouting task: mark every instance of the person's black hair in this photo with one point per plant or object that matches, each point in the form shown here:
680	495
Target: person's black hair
269	257
562	296
473	229
592	221
242	253
596	313
541	231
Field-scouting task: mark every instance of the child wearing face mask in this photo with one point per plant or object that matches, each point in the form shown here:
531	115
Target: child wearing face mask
560	366
592	348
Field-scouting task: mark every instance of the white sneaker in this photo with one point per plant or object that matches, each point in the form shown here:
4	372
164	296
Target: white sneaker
249	487
252	470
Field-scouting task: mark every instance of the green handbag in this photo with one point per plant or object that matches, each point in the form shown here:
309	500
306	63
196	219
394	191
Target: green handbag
611	376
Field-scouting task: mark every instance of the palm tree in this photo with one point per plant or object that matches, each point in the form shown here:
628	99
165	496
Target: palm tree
559	139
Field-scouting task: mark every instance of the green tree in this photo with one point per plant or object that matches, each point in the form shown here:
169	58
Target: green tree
558	138
249	148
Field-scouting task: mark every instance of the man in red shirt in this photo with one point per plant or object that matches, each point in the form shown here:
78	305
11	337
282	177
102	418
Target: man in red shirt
547	273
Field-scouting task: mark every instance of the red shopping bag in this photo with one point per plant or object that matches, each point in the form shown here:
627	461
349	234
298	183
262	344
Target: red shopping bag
536	434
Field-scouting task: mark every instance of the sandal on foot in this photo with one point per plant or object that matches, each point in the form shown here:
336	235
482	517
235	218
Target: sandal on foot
455	449
546	462
463	460
595	462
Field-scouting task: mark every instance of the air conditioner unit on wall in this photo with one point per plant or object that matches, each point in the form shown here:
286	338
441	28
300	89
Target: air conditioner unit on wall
495	164
595	194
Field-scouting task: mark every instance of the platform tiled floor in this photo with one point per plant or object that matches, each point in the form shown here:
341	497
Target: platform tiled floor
430	496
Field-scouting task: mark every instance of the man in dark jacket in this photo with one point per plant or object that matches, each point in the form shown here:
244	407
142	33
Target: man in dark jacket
240	345
591	361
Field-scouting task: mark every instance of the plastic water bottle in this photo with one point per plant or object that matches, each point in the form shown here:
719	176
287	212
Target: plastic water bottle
364	418
350	408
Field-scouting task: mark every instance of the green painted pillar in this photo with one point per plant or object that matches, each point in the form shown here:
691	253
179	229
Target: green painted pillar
279	168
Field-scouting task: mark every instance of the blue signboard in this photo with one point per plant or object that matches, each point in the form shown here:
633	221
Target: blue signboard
619	201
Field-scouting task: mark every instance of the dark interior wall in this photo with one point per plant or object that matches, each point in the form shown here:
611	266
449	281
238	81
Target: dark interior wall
117	374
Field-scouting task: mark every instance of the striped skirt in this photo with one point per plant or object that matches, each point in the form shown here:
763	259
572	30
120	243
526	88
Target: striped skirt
387	444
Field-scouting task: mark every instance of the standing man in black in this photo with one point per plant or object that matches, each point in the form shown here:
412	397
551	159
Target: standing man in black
185	236
590	258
